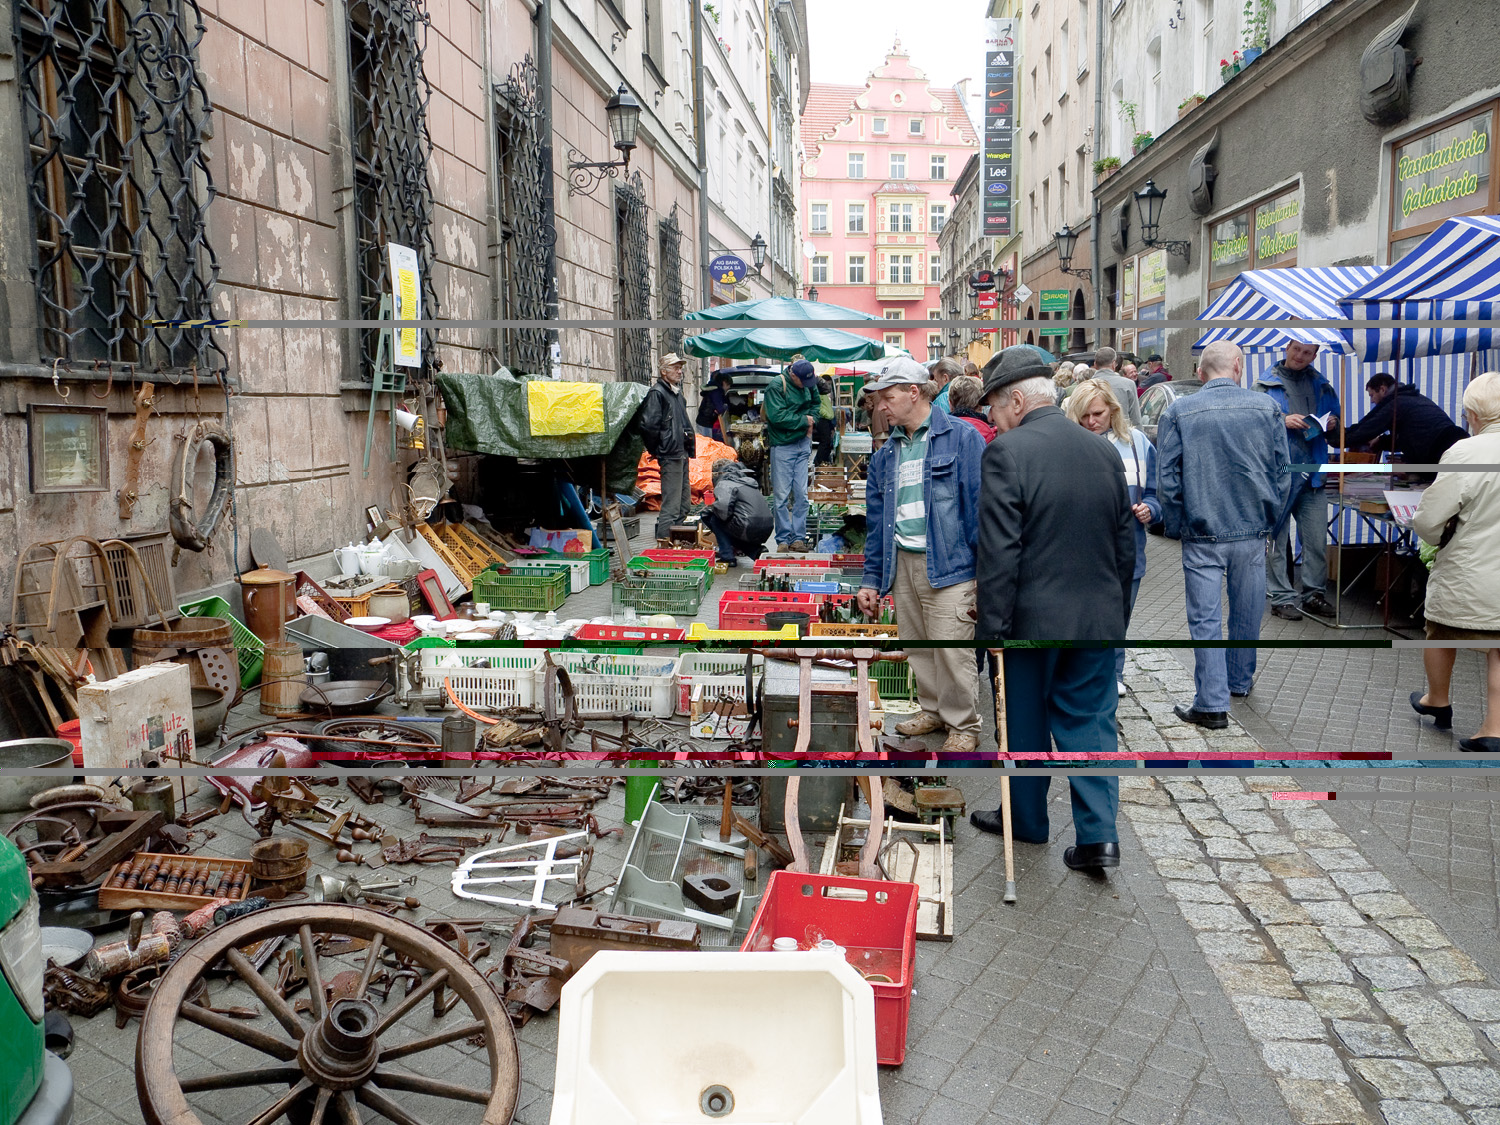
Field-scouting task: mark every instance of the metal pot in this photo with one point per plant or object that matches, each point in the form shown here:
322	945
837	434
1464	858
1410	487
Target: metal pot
27	753
346	697
210	705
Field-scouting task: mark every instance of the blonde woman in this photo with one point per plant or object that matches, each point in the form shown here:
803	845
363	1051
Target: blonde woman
1460	513
1063	378
1093	405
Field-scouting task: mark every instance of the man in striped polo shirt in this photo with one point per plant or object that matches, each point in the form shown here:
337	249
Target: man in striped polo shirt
922	505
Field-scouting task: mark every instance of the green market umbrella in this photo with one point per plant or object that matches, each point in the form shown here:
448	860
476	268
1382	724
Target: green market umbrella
778	308
820	345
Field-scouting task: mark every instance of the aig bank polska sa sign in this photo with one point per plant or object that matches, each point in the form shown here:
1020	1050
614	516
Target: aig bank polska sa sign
997	171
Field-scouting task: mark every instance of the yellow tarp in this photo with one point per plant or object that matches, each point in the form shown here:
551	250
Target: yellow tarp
560	408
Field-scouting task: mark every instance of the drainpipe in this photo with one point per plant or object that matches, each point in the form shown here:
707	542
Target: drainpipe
1097	270
549	197
704	278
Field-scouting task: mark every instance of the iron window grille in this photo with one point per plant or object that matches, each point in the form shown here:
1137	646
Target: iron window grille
669	298
633	279
525	249
392	148
119	185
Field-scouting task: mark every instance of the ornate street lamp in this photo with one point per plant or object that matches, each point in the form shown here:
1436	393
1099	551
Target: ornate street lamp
812	293
1067	243
758	251
1148	203
624	115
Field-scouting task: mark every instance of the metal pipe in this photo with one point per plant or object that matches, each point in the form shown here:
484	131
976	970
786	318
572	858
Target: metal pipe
700	128
1096	269
549	194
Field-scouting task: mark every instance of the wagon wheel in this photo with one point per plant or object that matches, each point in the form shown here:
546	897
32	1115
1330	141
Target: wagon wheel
339	1065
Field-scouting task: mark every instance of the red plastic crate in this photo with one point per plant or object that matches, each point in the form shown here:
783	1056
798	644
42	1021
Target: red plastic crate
677	555
627	634
793	560
747	609
860	915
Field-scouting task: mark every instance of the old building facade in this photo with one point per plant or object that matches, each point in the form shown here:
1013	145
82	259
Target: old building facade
876	193
251	161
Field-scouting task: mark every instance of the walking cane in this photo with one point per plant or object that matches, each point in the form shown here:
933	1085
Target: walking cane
1010	860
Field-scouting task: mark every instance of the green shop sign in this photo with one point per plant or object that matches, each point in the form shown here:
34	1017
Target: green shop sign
1049	329
1443	174
1055	300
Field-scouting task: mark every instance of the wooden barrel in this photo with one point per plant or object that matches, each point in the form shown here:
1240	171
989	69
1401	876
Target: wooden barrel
282	680
181	644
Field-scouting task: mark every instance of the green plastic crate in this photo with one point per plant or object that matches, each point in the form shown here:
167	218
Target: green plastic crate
677	592
249	649
893	679
598	563
538	589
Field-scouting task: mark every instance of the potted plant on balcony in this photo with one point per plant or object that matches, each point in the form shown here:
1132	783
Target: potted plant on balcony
1188	104
1140	141
1231	66
1257	29
1106	167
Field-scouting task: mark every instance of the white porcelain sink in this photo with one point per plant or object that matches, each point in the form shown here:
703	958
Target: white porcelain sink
667	1038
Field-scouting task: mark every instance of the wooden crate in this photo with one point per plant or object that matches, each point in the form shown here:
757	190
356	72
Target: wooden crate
462	567
118	898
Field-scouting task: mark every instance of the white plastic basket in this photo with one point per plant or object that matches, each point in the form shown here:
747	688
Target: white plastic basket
716	672
606	683
578	570
492	681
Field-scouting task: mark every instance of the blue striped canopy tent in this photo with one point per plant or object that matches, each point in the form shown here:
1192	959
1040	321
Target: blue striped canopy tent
1285	296
1452	274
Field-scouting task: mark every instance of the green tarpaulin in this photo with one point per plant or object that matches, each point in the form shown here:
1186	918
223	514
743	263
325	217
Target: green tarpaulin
488	414
779	308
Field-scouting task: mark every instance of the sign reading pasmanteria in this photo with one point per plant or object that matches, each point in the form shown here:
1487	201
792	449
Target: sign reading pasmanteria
1443	174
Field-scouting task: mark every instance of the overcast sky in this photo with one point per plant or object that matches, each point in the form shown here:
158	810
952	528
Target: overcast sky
849	38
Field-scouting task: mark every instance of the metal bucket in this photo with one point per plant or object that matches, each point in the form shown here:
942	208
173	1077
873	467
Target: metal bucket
24	753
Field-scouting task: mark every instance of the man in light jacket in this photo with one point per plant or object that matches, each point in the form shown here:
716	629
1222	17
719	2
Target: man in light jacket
922	509
1222	483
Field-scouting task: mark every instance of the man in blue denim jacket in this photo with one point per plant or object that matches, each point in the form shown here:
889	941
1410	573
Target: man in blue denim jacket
1222	483
1304	398
922	509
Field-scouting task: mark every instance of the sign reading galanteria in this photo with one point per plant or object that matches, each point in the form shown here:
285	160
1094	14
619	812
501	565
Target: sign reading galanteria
728	269
997	172
406	303
1443	174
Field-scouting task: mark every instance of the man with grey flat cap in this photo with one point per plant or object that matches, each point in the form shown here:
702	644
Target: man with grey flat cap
1056	561
922	511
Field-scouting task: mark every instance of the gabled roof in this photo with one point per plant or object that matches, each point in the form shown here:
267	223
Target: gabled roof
830	104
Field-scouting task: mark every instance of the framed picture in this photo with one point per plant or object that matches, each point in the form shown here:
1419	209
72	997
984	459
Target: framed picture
69	448
433	595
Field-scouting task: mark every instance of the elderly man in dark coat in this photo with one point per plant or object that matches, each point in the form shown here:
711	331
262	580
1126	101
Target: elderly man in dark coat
1055	563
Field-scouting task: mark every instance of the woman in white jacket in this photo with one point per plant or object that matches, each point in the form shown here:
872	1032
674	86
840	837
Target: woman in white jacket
1460	513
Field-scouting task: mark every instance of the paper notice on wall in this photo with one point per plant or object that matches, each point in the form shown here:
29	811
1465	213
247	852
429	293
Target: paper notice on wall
406	304
1403	505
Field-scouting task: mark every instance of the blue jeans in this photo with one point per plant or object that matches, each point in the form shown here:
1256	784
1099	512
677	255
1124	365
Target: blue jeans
1135	588
789	487
1206	567
1310	507
1067	696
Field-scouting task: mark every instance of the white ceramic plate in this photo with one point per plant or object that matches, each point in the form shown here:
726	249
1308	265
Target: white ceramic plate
368	624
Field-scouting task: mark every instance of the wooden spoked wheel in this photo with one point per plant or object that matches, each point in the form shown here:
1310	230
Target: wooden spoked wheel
339	1062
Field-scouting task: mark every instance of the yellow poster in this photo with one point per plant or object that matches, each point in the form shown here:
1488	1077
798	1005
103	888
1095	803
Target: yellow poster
406	304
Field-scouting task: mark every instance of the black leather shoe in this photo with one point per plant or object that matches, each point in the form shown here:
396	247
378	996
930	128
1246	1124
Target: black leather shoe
1092	857
994	823
1442	717
1240	694
1209	720
1318	606
1479	745
1287	612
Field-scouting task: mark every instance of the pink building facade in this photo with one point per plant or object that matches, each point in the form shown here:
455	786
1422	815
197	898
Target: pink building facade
876	191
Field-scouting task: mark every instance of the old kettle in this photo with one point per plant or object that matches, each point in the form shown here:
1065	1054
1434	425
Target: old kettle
270	598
